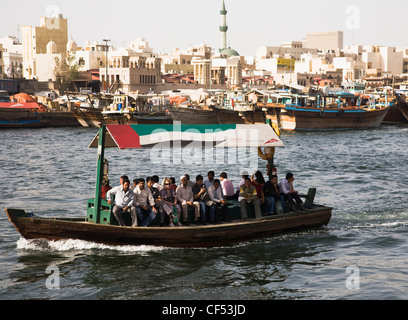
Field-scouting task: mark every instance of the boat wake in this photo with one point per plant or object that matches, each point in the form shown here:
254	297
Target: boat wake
81	245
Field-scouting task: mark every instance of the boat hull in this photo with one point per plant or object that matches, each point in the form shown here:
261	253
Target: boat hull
298	118
32	227
402	105
193	116
21	118
395	115
94	118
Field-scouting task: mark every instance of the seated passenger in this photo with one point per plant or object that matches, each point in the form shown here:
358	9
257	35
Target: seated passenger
105	187
124	197
248	197
227	187
244	175
144	202
258	181
169	204
273	195
185	197
173	183
289	193
218	202
201	196
210	179
156	184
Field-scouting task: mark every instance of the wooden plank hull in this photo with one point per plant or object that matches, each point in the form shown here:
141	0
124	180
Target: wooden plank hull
32	227
94	118
395	115
297	118
402	105
193	116
20	118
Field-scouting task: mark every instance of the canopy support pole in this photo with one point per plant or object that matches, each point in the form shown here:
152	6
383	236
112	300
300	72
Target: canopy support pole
99	173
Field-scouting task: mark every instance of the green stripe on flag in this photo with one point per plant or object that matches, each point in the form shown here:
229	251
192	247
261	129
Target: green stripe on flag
147	129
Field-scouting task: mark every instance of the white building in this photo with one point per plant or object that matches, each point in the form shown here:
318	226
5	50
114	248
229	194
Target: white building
288	50
46	62
383	59
324	41
91	56
353	70
180	61
12	55
313	63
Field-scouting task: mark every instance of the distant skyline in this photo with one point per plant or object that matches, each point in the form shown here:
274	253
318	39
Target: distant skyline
181	23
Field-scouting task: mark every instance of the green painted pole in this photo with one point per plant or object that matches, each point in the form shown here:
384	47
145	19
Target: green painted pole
99	173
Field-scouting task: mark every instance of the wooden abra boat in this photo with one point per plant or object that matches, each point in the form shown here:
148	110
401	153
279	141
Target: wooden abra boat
33	227
99	223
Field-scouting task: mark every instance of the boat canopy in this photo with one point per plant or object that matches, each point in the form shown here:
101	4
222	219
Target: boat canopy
175	135
18	105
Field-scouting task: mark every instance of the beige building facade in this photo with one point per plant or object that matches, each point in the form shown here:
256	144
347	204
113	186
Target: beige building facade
36	39
130	72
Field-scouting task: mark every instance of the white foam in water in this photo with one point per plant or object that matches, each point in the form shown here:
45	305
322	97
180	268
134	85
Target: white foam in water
79	245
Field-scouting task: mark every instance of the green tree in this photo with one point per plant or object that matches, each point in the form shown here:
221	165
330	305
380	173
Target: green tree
66	71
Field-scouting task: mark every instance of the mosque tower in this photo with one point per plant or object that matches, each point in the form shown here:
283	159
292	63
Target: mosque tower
223	27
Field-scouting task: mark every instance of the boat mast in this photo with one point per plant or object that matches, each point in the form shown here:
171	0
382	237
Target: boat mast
99	173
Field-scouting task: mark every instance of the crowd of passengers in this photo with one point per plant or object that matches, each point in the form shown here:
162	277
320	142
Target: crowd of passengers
208	198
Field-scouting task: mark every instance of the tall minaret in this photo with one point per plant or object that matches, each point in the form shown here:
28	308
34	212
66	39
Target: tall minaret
223	27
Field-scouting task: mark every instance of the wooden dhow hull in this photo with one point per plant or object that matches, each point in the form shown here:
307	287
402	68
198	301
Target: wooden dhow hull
33	227
93	118
303	118
402	105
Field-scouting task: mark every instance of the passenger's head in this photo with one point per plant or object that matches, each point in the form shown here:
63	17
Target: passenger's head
199	179
126	185
210	175
274	179
289	176
167	183
216	183
183	180
223	176
123	178
244	174
259	177
247	181
149	182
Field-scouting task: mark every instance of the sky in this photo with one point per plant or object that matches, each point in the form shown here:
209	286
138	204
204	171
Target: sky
169	24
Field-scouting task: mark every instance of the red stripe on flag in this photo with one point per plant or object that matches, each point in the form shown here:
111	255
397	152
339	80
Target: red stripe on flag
124	136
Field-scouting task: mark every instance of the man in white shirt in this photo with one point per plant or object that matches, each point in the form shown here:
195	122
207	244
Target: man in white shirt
144	202
218	202
289	193
184	195
123	202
